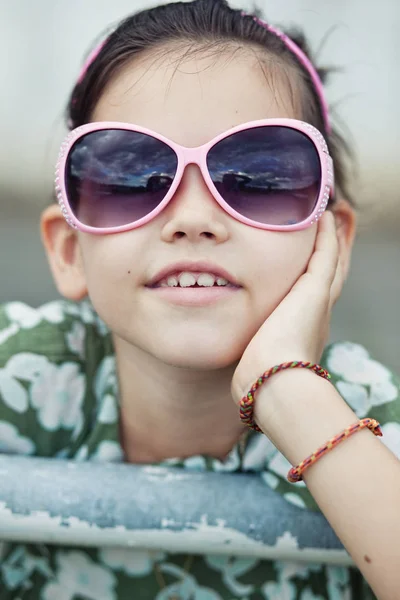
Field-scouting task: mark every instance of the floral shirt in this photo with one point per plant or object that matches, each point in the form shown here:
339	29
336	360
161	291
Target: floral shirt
59	398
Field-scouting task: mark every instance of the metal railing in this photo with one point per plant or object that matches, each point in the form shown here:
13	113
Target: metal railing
108	504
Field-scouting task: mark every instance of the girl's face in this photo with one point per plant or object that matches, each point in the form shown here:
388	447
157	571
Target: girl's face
191	101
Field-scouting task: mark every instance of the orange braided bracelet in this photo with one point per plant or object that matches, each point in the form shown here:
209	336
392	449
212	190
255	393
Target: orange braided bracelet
246	405
296	473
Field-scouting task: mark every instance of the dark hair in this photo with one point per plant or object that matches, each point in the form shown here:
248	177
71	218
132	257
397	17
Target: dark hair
203	22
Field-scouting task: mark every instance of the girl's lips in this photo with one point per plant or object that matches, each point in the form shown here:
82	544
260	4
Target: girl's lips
192	267
195	296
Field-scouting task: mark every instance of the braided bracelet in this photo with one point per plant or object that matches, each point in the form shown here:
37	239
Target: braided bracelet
296	473
246	405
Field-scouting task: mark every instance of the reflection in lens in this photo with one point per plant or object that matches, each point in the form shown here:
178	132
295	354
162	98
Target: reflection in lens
115	177
270	174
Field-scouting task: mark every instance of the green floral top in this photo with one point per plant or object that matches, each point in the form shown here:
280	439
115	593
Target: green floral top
59	398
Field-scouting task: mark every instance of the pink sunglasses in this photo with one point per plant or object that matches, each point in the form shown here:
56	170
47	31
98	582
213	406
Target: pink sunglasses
273	174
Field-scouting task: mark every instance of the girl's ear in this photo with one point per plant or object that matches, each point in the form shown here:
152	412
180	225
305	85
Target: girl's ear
63	253
345	218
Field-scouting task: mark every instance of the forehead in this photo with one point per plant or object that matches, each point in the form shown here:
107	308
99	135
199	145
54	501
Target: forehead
190	96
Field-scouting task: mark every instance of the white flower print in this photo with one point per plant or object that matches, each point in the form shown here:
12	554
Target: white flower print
289	569
308	594
22	314
195	463
356	397
284	589
76	339
137	563
382	392
295	499
186	588
108	412
56	591
361	401
338	583
231	568
27	317
12	392
229	464
72	308
63	453
52	312
279	591
108	451
258	452
8	332
87	314
105	377
82	453
270	479
57	394
391	437
78	575
11	442
353	363
102	328
27	366
280	465
19	566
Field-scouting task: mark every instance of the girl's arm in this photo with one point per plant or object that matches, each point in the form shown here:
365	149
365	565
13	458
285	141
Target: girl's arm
356	485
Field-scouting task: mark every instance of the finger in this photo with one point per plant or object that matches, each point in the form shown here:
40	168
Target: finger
337	284
323	264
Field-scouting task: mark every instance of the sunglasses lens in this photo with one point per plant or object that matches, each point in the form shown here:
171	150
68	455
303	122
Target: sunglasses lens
115	177
269	174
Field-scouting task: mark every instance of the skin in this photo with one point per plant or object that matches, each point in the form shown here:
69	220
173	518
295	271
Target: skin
186	107
192	362
184	357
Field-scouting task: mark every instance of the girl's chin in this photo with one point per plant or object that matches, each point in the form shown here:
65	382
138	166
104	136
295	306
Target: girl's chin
199	356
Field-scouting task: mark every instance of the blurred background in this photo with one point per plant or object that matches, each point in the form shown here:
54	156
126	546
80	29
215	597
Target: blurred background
42	45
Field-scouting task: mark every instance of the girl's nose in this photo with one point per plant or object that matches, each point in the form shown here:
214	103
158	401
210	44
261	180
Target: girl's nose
194	213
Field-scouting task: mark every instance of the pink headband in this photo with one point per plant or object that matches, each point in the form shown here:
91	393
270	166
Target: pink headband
294	48
90	59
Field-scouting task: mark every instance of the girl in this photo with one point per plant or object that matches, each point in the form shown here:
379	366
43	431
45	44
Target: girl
192	195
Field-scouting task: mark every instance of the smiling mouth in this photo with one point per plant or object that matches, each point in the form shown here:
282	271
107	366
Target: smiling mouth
193	280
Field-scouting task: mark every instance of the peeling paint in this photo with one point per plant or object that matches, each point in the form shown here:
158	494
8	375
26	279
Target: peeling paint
159	474
200	538
159	508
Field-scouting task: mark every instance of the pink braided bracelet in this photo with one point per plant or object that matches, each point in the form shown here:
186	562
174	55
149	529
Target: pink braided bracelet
246	405
296	473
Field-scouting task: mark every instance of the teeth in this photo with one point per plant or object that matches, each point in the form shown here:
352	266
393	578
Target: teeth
187	280
172	282
205	280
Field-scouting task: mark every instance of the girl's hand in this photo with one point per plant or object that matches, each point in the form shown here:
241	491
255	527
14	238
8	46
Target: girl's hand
298	329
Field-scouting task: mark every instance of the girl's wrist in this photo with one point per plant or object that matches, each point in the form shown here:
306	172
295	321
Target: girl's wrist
299	411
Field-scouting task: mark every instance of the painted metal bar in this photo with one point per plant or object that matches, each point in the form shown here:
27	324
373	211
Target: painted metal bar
108	504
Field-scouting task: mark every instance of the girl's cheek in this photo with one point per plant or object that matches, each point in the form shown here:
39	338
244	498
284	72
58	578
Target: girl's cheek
106	257
285	256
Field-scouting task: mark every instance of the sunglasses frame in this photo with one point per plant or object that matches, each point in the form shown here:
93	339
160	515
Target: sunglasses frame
198	156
